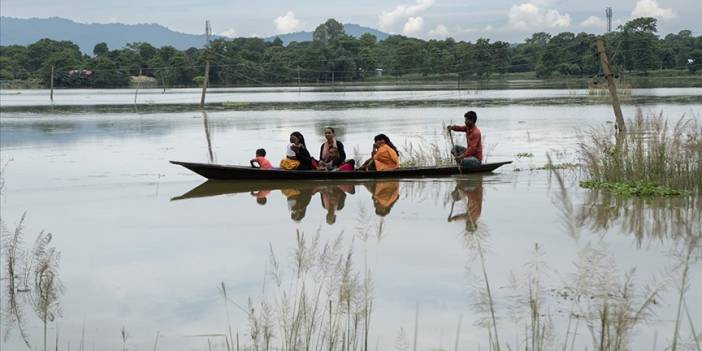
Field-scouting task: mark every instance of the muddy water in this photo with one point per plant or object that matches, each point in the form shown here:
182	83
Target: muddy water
145	244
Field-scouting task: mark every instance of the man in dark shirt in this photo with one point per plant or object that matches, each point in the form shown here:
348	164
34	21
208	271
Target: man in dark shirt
472	155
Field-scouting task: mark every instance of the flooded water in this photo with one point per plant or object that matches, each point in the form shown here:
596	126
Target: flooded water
69	97
145	246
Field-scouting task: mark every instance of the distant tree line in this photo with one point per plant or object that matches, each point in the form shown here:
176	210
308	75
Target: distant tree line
335	56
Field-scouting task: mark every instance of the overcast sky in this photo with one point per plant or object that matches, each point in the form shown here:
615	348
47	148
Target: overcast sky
510	20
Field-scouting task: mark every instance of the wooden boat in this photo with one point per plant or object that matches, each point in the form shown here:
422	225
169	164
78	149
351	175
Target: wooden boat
226	172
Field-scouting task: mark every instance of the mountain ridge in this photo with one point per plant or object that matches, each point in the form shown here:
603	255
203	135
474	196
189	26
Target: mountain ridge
25	31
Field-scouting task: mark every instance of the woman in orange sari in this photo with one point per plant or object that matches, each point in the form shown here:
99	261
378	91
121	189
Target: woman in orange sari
385	155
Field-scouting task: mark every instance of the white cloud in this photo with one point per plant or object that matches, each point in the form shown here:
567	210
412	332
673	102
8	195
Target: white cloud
488	28
439	31
413	25
388	18
594	22
230	33
650	8
530	15
287	23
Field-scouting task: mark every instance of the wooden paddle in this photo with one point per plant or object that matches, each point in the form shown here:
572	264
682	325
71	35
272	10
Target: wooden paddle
453	147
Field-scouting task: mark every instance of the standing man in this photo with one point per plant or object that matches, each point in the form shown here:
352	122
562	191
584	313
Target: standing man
472	155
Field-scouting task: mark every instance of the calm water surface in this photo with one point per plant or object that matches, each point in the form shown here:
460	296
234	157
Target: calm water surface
63	97
145	244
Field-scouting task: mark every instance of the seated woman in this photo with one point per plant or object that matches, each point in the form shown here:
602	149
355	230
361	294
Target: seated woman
297	151
290	162
385	156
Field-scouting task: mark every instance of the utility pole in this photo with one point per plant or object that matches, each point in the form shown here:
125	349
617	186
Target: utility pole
51	84
136	92
163	81
206	81
299	88
608	13
621	127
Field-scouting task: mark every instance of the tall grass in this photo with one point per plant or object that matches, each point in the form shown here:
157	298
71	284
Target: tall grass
424	153
652	150
13	303
528	303
32	280
325	305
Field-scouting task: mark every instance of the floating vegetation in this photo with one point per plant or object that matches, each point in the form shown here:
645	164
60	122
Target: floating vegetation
550	167
635	188
524	155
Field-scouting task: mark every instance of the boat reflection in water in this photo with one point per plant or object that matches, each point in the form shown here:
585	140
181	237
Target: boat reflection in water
333	195
333	198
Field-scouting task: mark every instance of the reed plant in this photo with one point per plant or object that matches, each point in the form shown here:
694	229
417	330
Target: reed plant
32	280
14	298
611	306
528	302
325	304
652	151
425	153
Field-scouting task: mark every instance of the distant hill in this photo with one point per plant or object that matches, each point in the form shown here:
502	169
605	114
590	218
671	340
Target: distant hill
26	31
86	35
351	29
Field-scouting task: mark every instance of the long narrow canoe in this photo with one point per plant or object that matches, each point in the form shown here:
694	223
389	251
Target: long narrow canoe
225	172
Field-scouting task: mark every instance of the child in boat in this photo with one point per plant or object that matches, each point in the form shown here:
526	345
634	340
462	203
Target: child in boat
290	161
332	161
335	162
261	160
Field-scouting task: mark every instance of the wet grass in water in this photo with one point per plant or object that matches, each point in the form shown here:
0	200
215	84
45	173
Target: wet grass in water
425	154
32	280
326	305
651	158
635	188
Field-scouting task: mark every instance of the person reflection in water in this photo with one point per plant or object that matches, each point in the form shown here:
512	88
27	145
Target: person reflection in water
384	194
261	196
333	199
471	191
298	200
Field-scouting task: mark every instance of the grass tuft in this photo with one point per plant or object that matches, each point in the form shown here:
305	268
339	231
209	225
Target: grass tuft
650	152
